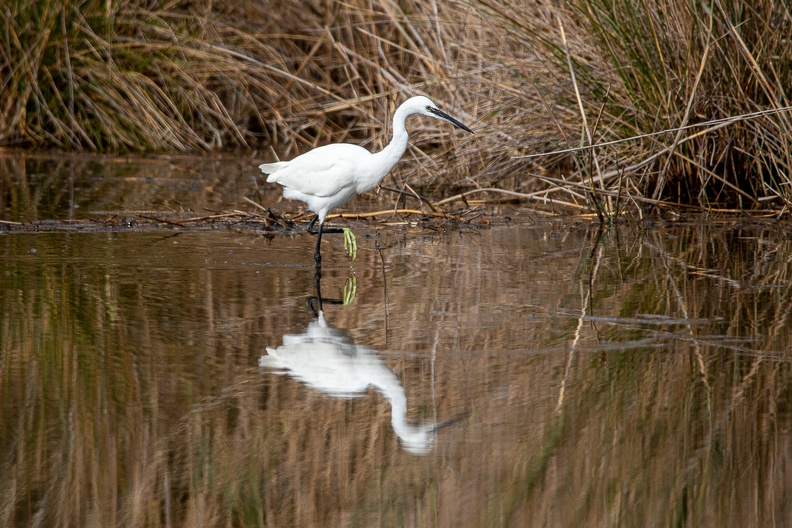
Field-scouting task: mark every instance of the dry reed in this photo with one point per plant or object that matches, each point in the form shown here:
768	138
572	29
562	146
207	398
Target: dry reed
532	79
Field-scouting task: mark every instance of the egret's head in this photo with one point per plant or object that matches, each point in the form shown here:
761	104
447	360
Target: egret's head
424	105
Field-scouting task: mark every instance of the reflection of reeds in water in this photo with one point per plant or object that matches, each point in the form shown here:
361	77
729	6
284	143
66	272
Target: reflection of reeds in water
131	393
691	428
46	187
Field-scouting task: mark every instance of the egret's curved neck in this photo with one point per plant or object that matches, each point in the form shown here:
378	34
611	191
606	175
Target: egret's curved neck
388	157
398	142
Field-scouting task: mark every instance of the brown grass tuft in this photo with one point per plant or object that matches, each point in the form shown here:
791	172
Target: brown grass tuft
704	91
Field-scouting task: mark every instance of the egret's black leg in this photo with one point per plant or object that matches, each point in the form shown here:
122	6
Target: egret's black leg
317	252
318	232
322	227
311	228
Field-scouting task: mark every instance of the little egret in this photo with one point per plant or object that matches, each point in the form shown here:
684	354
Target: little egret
329	176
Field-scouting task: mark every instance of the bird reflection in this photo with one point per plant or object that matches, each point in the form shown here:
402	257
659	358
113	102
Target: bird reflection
328	360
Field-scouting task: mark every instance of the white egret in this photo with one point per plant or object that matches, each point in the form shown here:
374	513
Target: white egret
329	176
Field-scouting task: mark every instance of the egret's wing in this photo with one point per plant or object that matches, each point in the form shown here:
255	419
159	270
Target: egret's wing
321	172
318	181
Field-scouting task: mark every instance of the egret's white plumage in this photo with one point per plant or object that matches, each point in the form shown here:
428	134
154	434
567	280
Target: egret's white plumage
326	359
329	176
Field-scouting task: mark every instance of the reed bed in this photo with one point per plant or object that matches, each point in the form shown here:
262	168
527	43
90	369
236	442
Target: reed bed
688	102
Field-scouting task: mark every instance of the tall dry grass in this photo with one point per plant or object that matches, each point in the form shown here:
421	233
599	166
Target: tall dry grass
532	78
123	75
201	75
703	88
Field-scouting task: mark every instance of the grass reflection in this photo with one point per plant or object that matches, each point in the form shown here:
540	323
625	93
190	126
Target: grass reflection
131	393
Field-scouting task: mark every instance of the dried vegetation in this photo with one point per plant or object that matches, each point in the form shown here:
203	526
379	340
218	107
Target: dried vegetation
704	87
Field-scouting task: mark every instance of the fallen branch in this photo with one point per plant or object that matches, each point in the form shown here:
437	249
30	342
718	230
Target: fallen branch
357	216
210	217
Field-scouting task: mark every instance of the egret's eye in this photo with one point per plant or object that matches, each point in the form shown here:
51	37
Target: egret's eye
428	108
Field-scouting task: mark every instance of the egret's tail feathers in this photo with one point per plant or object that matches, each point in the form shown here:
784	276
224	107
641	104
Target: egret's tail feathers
269	168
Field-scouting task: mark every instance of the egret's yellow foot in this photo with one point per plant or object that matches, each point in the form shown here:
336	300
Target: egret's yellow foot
350	244
350	290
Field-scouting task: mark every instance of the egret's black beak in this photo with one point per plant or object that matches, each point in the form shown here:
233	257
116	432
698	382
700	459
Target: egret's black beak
442	115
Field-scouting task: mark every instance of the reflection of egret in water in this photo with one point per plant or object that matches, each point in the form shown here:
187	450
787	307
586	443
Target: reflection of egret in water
326	359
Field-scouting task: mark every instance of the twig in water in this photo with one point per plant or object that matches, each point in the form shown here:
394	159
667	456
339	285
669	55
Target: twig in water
356	216
161	220
254	204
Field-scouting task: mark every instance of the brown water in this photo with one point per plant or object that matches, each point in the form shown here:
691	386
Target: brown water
520	375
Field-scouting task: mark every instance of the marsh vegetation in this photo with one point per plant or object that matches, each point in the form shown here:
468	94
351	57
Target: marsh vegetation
703	85
635	375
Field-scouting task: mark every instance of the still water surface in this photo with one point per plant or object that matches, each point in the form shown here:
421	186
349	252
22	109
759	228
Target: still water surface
527	374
